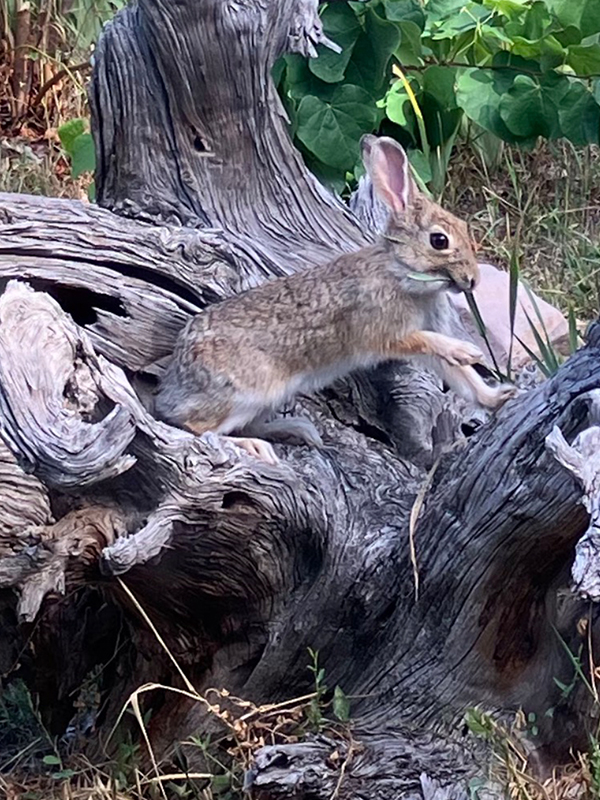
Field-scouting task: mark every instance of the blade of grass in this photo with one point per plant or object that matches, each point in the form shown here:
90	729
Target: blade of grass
513	290
135	705
552	359
573	334
546	349
417	109
472	303
575	661
534	357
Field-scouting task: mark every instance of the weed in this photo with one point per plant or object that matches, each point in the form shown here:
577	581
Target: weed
508	744
543	205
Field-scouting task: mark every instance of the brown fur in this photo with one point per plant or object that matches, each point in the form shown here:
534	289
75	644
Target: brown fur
243	358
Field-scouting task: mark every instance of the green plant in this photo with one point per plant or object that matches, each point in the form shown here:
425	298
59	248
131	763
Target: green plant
315	708
22	730
511	754
78	145
594	766
510	70
318	706
547	359
44	43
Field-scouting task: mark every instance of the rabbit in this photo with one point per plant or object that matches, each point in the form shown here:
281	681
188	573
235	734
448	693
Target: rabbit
240	360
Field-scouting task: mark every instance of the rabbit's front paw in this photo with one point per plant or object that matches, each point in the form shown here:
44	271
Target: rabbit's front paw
498	395
462	354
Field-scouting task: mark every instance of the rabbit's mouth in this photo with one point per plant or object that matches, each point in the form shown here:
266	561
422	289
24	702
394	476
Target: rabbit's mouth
456	285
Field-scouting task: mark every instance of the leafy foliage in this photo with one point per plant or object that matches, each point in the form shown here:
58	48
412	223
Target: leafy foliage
78	144
514	69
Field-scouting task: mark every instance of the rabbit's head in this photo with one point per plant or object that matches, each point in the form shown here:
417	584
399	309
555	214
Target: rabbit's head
432	249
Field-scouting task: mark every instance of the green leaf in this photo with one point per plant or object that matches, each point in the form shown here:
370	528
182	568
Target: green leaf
439	9
300	81
372	52
581	14
341	705
64	774
69	131
479	92
585	59
51	760
440	82
477	722
494	38
471	17
535	358
579	114
546	46
83	155
331	129
548	356
405	11
398	109
341	26
481	327
508	8
569	35
528	108
537	21
410	50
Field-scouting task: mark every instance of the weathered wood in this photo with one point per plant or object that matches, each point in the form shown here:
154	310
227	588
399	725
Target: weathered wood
582	459
373	768
242	566
302	541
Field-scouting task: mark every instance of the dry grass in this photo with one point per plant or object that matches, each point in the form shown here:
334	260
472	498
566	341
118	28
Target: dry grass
544	203
38	166
511	768
41	768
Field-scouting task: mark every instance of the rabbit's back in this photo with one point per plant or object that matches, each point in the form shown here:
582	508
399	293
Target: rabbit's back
288	336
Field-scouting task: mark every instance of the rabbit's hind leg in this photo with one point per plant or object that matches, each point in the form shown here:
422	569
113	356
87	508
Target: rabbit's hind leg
287	428
284	429
248	436
253	445
258	448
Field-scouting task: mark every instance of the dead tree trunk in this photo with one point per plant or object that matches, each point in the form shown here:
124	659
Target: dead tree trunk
240	566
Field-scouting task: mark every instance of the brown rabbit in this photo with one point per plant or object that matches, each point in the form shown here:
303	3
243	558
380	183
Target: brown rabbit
238	361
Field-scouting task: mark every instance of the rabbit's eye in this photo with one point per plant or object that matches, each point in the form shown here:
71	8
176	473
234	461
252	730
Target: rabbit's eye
439	241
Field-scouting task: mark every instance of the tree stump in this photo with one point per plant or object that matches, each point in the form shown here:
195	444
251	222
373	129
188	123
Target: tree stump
240	566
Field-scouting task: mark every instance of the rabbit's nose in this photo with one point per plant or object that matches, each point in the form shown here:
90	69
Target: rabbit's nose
467	284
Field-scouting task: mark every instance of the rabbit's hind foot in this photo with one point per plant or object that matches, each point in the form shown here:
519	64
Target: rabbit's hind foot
287	429
255	447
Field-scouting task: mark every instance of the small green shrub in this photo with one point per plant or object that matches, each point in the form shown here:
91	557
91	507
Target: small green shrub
514	69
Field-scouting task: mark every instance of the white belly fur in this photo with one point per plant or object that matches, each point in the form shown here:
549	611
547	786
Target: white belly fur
254	405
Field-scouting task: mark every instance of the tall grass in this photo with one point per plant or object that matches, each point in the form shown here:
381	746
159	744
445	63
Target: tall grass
44	54
543	205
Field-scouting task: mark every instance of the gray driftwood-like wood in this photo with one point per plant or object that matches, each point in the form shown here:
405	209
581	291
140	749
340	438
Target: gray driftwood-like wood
242	566
582	459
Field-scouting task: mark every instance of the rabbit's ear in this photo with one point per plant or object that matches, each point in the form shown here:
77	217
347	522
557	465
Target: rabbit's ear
387	165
